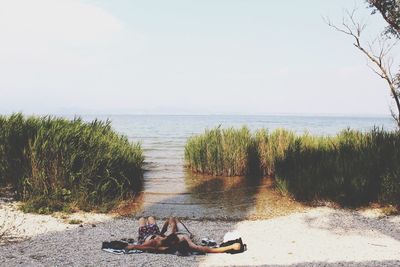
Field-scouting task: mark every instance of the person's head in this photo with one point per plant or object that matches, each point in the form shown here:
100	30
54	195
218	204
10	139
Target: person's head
170	241
175	245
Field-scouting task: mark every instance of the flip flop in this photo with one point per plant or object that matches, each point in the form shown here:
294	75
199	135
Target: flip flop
204	241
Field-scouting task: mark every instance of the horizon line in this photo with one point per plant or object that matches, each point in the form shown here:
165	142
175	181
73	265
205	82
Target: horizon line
364	115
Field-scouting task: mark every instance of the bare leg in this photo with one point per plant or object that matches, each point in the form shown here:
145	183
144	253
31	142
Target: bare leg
174	224
142	222
150	246
171	221
165	226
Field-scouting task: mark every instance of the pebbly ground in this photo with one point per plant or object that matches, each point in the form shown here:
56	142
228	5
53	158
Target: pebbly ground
314	237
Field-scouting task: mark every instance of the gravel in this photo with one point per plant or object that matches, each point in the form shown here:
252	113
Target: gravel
316	237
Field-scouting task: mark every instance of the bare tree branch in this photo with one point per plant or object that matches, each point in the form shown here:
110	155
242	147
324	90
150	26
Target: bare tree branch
381	60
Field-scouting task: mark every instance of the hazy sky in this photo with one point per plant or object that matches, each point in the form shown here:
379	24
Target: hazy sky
186	57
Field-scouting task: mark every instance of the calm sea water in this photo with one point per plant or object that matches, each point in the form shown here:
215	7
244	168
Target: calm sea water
163	137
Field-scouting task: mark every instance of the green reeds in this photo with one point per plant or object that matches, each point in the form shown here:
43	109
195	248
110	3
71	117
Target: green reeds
220	151
54	163
272	147
352	168
236	152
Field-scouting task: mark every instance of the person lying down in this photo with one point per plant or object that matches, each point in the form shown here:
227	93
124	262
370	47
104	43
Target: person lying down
175	237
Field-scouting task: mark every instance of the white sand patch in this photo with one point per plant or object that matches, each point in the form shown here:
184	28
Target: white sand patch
320	235
20	225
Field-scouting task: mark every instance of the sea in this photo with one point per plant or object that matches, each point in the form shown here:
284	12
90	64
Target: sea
170	189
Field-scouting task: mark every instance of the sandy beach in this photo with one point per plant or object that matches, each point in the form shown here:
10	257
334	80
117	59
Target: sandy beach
314	237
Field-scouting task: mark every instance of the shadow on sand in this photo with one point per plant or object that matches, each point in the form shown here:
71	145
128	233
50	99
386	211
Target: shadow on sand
349	221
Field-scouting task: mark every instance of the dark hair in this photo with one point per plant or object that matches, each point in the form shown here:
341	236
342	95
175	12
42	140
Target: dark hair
183	248
175	245
170	241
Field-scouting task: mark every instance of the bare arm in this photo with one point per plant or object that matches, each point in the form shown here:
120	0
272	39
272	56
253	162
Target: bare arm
150	246
147	248
204	249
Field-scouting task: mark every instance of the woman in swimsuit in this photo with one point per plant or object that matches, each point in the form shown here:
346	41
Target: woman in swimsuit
153	240
148	230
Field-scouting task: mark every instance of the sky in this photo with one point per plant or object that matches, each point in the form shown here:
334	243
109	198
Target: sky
185	57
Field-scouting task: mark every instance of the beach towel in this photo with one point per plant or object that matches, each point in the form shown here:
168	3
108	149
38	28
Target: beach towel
122	251
118	247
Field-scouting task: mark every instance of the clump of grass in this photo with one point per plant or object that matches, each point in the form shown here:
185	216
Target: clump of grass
281	186
220	151
272	147
53	162
390	210
351	168
75	221
237	152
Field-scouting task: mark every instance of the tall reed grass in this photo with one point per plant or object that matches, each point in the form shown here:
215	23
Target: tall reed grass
54	163
352	168
220	151
272	147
